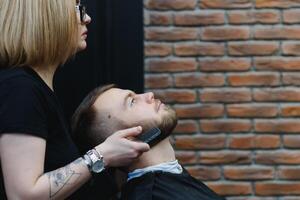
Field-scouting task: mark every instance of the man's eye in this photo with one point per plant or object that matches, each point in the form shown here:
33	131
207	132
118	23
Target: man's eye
132	102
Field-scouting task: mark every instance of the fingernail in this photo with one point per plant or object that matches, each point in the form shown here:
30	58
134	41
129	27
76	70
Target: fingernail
139	128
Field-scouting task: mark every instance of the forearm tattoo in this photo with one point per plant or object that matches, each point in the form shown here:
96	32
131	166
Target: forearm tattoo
61	177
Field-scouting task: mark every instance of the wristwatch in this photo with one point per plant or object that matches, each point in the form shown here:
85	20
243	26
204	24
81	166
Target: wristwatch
94	161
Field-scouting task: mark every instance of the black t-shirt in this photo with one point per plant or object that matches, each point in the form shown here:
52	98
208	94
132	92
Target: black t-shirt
165	186
28	105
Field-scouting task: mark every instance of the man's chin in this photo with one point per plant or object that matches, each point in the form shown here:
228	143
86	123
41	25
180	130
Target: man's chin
169	122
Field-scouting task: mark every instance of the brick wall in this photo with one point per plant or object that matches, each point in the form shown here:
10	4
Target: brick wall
231	69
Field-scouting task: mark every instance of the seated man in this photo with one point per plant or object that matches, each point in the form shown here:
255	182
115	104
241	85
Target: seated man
156	175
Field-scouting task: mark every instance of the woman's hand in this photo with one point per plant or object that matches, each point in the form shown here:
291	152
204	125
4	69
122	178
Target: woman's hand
118	150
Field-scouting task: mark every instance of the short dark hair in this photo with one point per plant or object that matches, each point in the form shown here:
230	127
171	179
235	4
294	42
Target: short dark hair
84	127
91	126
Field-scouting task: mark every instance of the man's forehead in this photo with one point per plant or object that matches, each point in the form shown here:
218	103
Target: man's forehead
111	97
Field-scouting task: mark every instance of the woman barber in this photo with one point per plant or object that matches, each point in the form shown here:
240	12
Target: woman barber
38	158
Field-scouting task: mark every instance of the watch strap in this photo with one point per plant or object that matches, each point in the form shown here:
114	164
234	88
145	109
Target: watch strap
87	161
93	156
93	159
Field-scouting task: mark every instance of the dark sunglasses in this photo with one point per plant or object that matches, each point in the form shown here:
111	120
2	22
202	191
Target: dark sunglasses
82	10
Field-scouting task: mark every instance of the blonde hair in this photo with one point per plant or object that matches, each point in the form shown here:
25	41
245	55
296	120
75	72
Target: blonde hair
37	32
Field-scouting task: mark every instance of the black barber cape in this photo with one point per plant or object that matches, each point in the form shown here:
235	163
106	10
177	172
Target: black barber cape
167	186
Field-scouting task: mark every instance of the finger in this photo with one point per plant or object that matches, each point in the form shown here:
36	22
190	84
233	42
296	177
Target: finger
130	132
140	146
131	138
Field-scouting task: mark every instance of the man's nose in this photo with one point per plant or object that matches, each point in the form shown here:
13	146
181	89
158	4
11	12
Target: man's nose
149	97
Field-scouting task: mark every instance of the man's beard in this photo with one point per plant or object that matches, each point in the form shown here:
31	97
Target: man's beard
166	125
168	122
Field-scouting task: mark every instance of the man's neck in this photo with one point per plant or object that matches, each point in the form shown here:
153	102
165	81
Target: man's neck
160	153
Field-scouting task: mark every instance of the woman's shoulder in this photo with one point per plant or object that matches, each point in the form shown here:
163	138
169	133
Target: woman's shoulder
17	87
15	75
15	79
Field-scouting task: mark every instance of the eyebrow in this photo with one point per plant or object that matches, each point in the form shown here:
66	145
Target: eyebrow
129	94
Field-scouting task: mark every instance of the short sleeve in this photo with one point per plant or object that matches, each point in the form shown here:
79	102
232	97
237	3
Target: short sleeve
22	108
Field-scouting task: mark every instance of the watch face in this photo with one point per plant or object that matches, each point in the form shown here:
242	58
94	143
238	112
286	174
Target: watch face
98	166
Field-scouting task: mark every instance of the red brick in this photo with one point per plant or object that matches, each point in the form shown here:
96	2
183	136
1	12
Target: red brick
253	48
277	3
267	141
231	189
225	33
225	157
170	34
173	96
290	173
157	49
186	157
277	64
199	80
285	32
291	48
205	173
276	188
168	65
157	18
291	16
278	157
221	126
186	126
278	94
291	79
290	110
291	141
225	4
199	18
255	142
225	95
224	65
199	49
200	142
277	126
170	4
158	81
251	17
254	79
241	142
249	173
252	110
199	111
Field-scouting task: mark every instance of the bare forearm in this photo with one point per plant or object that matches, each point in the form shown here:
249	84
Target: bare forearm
61	183
29	182
64	181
